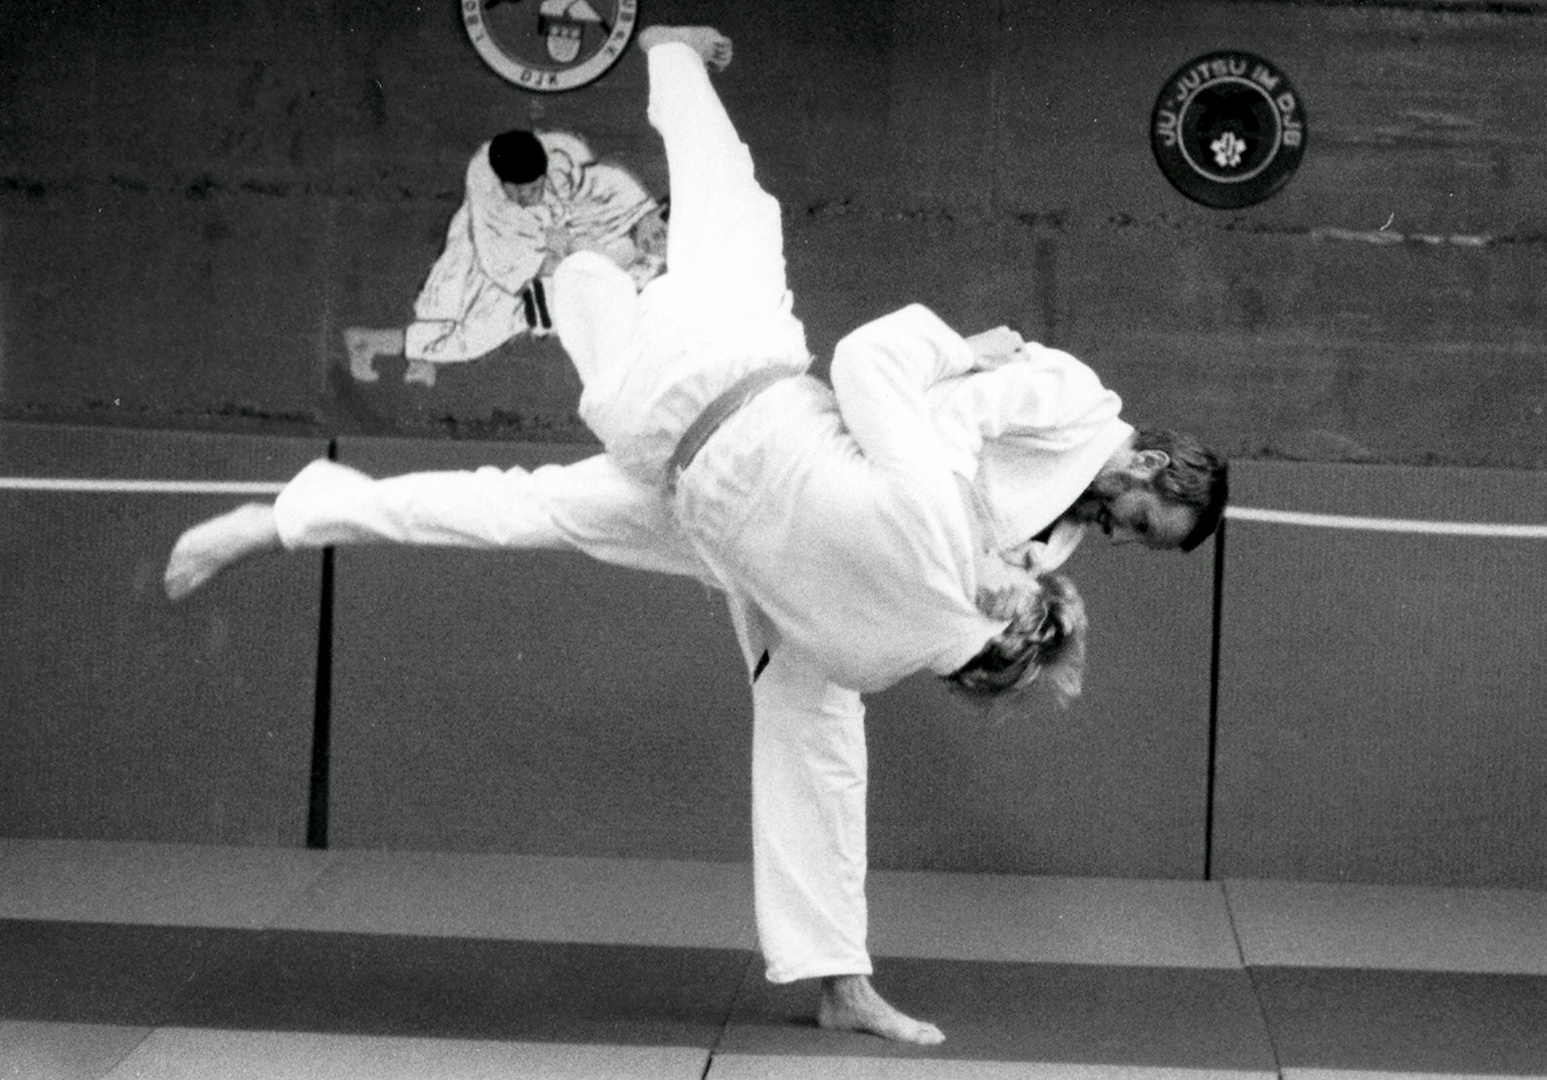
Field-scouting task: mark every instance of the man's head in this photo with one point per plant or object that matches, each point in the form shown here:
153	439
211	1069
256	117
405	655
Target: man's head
521	164
1164	489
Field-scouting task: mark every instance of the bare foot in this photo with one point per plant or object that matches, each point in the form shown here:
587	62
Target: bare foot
850	1003
706	41
420	371
364	345
357	344
211	546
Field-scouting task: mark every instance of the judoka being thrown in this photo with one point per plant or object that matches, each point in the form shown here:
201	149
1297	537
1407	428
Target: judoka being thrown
850	545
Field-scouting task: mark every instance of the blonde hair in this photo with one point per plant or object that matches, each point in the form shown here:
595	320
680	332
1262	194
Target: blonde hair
1044	641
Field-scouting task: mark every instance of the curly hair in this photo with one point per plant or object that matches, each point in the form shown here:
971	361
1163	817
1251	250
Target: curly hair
1044	641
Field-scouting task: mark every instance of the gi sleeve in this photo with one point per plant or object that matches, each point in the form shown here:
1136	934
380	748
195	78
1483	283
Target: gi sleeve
1043	396
881	373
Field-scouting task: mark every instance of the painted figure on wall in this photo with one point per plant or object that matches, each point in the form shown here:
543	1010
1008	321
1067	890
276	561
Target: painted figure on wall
531	199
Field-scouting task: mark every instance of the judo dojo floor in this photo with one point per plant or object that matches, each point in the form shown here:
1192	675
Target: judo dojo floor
128	960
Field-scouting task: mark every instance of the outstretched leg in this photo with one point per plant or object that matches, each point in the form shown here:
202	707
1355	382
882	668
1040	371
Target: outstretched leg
211	546
589	506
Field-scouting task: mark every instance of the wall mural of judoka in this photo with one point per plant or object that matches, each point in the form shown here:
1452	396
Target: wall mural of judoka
532	198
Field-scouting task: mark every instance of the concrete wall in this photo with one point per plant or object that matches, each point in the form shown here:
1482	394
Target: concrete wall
196	200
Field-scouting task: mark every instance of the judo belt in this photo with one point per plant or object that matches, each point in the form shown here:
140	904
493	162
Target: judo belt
717	412
534	304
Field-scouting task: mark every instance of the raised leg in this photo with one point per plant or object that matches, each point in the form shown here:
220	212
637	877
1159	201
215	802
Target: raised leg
726	235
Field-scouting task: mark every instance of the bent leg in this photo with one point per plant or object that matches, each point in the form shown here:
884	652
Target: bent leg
594	306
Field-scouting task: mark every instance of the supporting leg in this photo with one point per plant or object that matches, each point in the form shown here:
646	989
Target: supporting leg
808	848
808	821
850	1003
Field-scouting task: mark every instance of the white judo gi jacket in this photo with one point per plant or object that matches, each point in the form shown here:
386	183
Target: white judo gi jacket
846	535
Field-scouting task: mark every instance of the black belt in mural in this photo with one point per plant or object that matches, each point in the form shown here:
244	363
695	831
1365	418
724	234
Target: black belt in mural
550	45
1228	129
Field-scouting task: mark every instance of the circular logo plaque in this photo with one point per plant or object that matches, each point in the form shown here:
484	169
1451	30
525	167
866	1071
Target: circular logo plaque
550	45
1228	129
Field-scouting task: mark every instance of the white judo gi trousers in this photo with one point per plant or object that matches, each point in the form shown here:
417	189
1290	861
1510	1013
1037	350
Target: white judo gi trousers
808	735
726	284
725	294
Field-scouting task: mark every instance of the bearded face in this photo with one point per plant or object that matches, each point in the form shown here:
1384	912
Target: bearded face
1128	508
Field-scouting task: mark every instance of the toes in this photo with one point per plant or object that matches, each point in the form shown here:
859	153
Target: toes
929	1035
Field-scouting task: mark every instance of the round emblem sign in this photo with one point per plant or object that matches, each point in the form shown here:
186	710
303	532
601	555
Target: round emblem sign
1228	129
550	45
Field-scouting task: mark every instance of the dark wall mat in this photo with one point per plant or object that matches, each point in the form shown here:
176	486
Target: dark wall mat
363	984
127	717
1115	785
101	973
1412	1022
1380	693
1183	1018
548	704
533	702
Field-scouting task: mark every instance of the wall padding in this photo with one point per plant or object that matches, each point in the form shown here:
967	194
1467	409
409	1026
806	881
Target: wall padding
127	717
1380	698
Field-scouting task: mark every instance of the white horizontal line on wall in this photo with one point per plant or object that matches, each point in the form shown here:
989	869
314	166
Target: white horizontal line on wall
154	487
1375	524
1233	513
